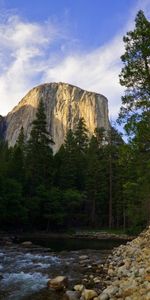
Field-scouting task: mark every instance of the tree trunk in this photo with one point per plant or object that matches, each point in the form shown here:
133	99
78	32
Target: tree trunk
93	212
110	191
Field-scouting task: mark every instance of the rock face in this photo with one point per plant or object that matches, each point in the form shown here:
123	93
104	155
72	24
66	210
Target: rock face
64	105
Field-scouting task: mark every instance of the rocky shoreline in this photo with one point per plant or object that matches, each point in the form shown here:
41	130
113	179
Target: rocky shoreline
126	274
123	275
129	270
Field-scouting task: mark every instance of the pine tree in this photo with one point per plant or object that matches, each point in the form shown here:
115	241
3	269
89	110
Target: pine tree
82	141
81	136
39	159
135	113
68	170
114	141
135	75
96	182
17	161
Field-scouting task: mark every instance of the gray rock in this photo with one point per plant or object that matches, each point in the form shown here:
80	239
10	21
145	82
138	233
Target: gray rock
103	296
72	295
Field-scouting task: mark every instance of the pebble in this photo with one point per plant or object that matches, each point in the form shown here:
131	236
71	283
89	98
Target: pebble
129	269
124	276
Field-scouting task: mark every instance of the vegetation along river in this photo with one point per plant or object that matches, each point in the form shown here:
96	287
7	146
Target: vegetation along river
24	271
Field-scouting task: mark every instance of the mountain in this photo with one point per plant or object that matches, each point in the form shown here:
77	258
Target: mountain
64	105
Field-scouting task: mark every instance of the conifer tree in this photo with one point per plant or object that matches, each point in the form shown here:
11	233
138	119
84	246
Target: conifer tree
17	161
135	74
82	141
39	159
81	136
68	170
135	113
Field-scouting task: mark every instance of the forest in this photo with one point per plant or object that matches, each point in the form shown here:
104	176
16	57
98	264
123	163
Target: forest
98	182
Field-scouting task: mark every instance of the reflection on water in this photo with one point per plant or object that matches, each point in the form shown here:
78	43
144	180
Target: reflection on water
60	244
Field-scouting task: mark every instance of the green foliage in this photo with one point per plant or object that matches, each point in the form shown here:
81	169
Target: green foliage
12	210
96	182
81	136
68	167
39	160
135	113
135	75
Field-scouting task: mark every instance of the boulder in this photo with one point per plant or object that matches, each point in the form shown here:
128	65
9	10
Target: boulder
58	283
88	294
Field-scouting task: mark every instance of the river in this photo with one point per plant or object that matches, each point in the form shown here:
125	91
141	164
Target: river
24	272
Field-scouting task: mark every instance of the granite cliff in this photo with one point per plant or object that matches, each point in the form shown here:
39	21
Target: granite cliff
64	105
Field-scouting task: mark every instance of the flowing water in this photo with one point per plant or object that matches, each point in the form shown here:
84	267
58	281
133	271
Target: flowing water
24	272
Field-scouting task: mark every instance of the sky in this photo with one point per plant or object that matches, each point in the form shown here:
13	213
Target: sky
73	41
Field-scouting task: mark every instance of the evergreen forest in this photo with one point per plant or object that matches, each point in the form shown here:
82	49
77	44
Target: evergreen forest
98	182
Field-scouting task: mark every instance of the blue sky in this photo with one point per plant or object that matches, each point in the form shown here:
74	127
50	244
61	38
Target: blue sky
75	41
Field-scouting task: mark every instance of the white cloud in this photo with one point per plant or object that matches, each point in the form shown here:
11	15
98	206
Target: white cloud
32	53
95	71
22	57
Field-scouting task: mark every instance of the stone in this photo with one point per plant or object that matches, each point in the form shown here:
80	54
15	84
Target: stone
130	279
64	105
58	283
103	296
110	272
72	295
147	277
26	243
96	280
83	257
79	287
88	294
111	290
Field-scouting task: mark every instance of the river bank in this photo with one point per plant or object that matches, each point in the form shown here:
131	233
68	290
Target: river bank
126	272
8	237
122	274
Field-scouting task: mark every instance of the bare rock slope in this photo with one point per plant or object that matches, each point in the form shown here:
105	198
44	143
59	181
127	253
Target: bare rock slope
64	105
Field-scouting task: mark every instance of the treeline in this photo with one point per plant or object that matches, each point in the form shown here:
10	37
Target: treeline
87	183
99	182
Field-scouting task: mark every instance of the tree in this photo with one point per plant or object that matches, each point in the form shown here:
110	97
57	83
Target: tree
81	136
114	141
135	113
73	202
17	159
82	141
135	75
39	160
96	182
68	168
12	210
